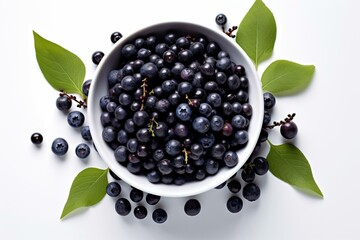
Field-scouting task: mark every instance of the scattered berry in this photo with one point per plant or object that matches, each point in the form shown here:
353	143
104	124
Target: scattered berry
159	215
234	204
234	186
152	199
140	212
63	103
221	19
97	56
251	192
261	165
269	100
82	150
115	36
192	207
288	130
113	189
85	133
86	87
123	206
75	119
36	138
136	195
59	146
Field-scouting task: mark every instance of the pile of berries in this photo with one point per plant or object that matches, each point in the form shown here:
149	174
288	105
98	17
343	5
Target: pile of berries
177	108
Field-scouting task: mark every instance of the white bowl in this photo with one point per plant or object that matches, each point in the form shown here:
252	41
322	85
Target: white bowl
99	88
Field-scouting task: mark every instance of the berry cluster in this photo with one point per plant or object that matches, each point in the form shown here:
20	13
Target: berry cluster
177	108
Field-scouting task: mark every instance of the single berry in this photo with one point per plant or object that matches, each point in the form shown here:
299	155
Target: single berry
113	189
36	138
59	146
234	186
123	206
248	175
136	195
75	119
220	19
201	124
115	36
159	215
85	133
269	100
82	150
152	199
192	207
251	192
63	103
183	112
288	130
86	87
140	212
261	165
231	159
234	204
97	56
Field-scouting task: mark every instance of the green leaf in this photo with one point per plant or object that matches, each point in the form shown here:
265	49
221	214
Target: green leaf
289	164
61	68
87	189
257	33
283	77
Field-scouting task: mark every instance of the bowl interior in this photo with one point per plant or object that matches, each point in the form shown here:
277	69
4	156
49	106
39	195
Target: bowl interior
99	88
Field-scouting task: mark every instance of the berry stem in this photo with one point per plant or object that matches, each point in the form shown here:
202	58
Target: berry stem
289	118
144	88
186	155
230	31
151	126
80	103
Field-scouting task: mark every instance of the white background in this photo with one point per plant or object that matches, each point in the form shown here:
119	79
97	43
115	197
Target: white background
34	182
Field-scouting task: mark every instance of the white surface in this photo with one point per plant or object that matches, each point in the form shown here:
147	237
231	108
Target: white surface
35	183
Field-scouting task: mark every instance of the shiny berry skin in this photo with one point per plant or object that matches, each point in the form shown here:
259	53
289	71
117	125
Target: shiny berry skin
251	192
192	207
220	19
173	147
234	186
248	175
82	150
136	195
36	138
201	124
234	204
149	70
115	36
183	112
86	87
140	212
152	199
63	103
261	165
288	130
75	119
159	215
231	159
85	133
113	189
123	206
59	146
269	100
97	56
